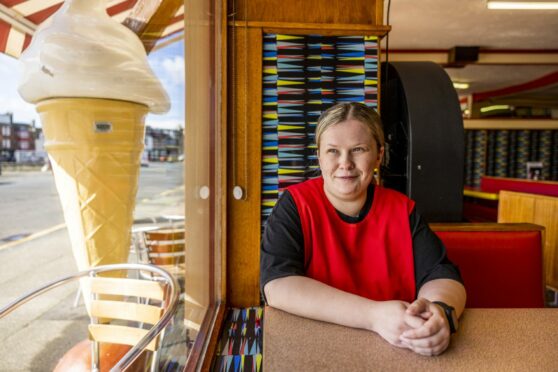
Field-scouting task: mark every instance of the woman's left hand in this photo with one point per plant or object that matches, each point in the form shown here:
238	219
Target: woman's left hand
433	337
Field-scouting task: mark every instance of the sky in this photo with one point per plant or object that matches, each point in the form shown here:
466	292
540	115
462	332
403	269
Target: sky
167	63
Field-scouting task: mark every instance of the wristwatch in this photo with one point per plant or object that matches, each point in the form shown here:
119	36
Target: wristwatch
450	315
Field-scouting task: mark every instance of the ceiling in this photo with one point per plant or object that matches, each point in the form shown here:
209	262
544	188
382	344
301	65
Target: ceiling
518	59
517	64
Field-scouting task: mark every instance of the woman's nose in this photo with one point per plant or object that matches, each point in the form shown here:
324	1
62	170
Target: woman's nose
346	161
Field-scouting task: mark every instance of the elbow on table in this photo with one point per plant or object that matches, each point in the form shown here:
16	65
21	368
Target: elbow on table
270	291
275	290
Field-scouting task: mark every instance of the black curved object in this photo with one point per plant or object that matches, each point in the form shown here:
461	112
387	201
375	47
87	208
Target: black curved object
425	140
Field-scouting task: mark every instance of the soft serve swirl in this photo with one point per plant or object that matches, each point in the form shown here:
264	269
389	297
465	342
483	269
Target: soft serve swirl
85	53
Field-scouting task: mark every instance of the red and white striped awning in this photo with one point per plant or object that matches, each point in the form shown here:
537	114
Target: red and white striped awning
20	18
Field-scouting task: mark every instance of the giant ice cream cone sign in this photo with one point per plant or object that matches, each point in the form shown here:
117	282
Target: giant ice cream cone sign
92	86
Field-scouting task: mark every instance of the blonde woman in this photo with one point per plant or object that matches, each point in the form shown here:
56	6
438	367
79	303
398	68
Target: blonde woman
340	249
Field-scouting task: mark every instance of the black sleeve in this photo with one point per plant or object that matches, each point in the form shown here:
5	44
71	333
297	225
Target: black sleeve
431	261
282	245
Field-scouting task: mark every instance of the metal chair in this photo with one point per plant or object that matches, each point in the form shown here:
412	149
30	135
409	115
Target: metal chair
164	248
123	306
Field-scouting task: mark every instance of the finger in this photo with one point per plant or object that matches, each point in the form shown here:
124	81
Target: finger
426	315
417	307
431	351
427	342
413	321
432	326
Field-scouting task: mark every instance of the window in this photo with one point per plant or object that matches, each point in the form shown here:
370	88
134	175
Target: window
203	167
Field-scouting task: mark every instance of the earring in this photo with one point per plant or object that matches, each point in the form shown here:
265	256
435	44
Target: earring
377	176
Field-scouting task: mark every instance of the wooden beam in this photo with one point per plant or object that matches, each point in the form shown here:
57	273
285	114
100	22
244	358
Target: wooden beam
486	56
150	18
511	124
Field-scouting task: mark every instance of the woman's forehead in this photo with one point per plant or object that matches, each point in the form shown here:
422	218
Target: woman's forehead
348	130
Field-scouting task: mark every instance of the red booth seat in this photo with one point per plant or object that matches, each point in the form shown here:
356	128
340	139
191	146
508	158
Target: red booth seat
501	264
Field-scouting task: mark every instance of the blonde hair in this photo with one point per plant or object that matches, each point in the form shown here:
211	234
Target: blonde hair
351	110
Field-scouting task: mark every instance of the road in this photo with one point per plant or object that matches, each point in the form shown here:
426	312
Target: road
35	335
29	202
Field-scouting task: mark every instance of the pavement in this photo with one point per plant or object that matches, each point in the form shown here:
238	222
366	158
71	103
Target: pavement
37	334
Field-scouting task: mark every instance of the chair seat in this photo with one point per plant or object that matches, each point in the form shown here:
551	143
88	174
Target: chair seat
78	358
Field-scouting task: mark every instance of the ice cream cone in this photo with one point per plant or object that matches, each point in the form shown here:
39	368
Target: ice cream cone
95	147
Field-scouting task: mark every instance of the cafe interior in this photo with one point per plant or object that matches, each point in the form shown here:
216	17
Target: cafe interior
468	95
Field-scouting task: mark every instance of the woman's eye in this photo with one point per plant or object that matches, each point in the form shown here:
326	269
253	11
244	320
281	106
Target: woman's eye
332	151
358	149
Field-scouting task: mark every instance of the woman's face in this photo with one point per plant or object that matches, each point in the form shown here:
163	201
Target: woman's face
348	155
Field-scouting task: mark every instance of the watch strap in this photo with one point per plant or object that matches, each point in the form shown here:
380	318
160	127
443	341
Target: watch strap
449	311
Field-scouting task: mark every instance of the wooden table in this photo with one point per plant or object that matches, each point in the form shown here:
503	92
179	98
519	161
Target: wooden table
488	340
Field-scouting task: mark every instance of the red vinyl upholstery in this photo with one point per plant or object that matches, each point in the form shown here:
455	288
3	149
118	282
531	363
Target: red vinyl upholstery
496	184
501	269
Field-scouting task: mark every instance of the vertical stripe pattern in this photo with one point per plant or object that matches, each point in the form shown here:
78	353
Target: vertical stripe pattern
506	153
302	77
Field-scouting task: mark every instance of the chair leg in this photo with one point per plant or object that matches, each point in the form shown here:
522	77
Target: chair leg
95	362
155	361
78	296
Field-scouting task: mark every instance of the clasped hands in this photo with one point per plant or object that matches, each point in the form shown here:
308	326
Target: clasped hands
420	326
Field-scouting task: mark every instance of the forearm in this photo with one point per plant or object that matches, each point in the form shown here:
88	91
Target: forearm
310	298
446	290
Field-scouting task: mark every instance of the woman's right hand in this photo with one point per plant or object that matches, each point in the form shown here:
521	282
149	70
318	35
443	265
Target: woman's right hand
389	319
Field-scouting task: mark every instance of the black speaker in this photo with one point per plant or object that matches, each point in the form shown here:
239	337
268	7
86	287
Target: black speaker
425	142
461	55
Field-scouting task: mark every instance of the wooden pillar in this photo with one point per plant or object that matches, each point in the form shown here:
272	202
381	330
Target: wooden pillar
248	21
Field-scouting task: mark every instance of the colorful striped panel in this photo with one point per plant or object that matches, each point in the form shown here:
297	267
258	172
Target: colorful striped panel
512	161
302	77
522	153
241	344
479	157
545	152
554	164
501	161
469	146
238	363
507	152
490	153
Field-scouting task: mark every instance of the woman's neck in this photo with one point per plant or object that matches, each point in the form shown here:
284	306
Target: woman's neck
348	207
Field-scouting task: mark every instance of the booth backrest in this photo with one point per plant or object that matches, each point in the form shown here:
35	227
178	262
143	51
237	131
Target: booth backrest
497	184
501	264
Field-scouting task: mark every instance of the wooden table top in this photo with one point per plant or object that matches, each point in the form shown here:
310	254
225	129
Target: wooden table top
487	340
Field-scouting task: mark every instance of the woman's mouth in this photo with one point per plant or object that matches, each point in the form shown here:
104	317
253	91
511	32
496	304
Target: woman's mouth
346	178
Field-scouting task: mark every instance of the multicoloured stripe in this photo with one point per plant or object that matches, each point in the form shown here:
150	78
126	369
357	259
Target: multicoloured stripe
241	345
506	153
302	77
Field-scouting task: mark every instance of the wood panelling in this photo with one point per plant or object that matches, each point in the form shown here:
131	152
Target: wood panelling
247	21
309	11
541	210
335	29
244	164
511	124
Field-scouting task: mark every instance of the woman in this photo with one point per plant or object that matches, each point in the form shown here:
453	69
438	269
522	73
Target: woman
340	249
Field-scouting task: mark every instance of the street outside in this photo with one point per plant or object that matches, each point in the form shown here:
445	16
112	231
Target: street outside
35	248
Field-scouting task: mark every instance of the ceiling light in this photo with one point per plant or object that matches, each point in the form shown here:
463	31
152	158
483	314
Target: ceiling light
457	85
525	5
494	108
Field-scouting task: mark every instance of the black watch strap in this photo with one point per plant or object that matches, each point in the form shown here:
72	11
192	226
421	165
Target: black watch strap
450	315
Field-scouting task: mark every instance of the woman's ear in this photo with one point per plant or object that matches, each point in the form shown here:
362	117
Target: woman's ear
380	157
